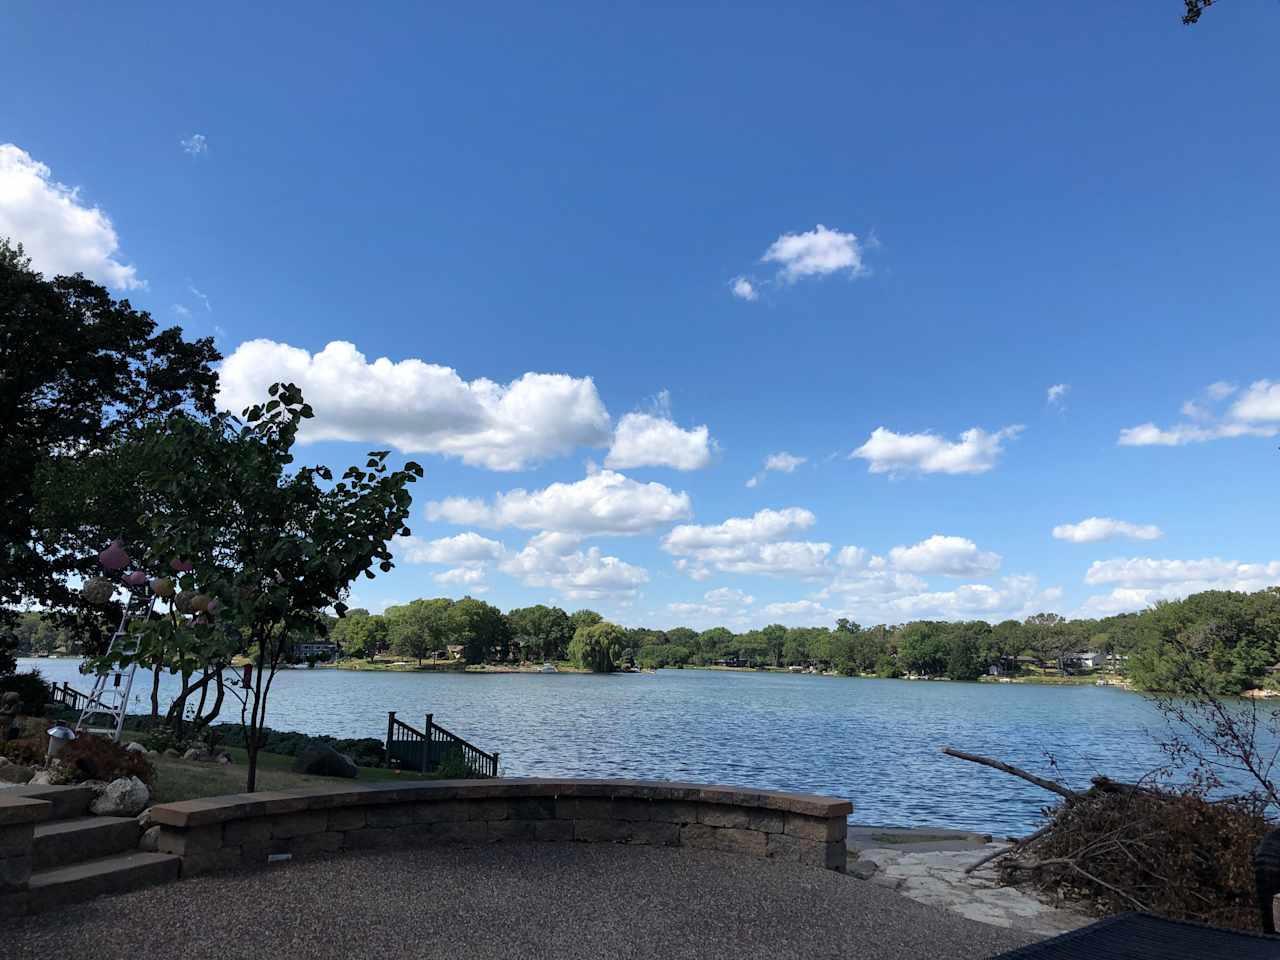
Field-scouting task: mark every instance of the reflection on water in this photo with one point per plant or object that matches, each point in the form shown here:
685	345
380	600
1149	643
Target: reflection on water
875	742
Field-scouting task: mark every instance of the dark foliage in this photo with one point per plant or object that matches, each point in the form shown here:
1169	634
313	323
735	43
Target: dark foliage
96	758
77	367
366	752
31	687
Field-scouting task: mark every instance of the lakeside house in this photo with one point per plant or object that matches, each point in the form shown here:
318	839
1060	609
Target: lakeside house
315	649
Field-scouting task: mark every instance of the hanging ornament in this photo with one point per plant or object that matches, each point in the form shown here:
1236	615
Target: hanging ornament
162	587
214	606
247	679
180	566
96	590
200	602
135	579
182	602
114	558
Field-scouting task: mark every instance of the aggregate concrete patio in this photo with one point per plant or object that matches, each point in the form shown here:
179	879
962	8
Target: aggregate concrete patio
514	899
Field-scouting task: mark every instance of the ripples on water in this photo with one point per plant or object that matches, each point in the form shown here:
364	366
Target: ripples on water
875	742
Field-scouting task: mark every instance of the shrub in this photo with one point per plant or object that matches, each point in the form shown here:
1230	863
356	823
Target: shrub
452	767
96	758
31	688
27	751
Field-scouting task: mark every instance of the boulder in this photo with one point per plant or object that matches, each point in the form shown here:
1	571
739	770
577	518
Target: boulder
149	842
15	773
225	758
170	752
135	747
125	797
5	761
324	761
145	821
198	755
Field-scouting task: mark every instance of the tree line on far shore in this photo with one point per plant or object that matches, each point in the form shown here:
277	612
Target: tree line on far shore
1235	636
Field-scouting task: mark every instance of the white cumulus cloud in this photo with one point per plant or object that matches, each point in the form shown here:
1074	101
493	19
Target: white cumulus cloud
604	502
57	230
818	252
195	145
420	407
1138	582
555	561
646	440
1105	528
1255	413
1057	394
752	544
464	548
953	556
780	462
975	452
744	289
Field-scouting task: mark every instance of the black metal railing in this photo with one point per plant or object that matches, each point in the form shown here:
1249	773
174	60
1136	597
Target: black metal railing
425	750
70	697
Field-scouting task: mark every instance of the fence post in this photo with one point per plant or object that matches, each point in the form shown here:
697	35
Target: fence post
391	722
495	763
426	745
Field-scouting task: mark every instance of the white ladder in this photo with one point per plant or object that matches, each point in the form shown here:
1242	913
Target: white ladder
114	701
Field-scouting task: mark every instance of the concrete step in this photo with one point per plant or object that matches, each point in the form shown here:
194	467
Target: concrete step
108	875
59	843
68	801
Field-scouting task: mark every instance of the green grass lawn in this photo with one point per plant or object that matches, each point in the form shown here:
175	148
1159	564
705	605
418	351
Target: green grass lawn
191	779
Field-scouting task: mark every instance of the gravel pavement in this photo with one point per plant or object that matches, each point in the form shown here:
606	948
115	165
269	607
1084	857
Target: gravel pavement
510	900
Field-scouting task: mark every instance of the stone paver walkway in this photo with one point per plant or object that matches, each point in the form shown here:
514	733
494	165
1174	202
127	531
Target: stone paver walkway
931	870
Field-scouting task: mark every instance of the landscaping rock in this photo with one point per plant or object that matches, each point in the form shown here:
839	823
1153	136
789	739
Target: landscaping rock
125	797
149	842
225	758
15	773
324	761
135	747
43	778
863	869
200	756
170	752
145	822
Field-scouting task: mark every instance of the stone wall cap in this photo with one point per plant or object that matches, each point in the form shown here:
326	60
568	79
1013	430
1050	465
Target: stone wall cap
15	810
194	813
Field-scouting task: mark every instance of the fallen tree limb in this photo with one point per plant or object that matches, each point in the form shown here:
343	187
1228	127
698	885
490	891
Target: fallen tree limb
1016	845
1000	765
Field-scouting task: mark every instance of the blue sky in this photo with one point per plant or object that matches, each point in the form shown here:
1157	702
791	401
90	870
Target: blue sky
541	218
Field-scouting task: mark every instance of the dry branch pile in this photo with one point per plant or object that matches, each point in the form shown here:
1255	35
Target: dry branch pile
1118	847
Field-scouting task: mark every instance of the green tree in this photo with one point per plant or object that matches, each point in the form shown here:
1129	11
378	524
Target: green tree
481	628
924	648
276	546
77	371
542	631
593	646
584	618
419	628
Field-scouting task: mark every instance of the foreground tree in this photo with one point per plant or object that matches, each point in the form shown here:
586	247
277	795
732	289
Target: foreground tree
77	368
262	551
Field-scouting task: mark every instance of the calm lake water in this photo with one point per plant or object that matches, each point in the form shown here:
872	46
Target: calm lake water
875	742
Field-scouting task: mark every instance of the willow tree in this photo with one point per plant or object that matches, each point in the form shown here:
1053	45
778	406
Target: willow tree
260	551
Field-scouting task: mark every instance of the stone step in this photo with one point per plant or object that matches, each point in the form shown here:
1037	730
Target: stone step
108	875
59	843
68	801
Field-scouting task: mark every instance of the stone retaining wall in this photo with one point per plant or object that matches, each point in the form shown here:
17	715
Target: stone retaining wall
18	818
244	829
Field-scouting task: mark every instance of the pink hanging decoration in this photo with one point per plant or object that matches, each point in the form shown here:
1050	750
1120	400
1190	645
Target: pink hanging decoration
180	566
135	579
214	606
114	558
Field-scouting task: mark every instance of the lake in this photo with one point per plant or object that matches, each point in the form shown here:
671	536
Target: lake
875	742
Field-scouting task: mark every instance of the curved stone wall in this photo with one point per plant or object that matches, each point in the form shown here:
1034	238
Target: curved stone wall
244	829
